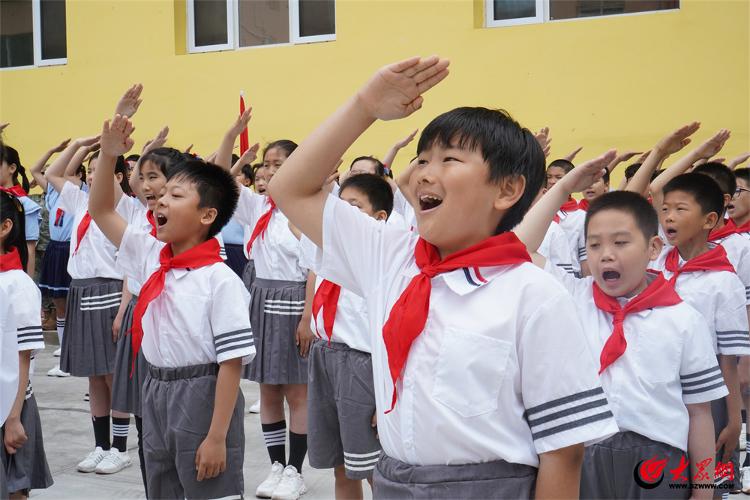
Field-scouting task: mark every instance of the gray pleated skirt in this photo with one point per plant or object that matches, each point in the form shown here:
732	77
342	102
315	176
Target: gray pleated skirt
88	349
27	469
126	389
275	312
248	274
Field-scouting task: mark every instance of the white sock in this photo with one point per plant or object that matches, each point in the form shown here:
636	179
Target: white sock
60	329
725	495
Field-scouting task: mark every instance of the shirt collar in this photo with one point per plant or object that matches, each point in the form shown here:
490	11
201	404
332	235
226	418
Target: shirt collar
467	279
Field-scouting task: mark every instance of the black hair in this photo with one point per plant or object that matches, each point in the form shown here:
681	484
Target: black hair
630	170
10	156
720	173
165	159
562	163
81	170
379	167
509	150
11	208
285	145
377	190
216	188
605	176
235	158
121	167
249	173
742	173
133	157
706	192
630	203
656	174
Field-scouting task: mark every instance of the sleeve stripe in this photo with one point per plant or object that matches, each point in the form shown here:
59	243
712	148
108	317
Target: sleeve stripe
569	411
25	328
234	345
572	425
236	338
564	400
741	338
744	344
730	333
235	332
703	380
703	389
713	369
233	348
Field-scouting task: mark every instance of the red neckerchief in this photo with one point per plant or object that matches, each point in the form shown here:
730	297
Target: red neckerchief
569	206
409	314
16	190
583	205
727	229
10	260
744	228
261	225
658	293
151	220
205	254
327	298
713	260
83	227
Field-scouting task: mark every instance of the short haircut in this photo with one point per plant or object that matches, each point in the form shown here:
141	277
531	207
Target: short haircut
631	170
630	203
379	167
11	208
133	157
285	145
248	172
216	188
377	190
121	167
720	173
563	164
742	173
605	177
165	158
706	192
509	150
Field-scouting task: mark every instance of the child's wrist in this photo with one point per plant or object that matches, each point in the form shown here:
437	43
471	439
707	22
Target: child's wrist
217	437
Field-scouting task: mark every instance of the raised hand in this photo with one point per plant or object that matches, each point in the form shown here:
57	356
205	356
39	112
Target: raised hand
157	142
585	174
544	140
572	155
60	147
130	101
643	156
405	141
115	139
738	160
677	140
625	156
241	123
713	145
395	91
3	126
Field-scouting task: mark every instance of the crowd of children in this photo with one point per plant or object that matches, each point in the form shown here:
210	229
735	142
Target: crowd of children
465	330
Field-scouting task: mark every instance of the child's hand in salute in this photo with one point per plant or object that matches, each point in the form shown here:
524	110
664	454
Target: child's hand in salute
115	139
585	174
396	90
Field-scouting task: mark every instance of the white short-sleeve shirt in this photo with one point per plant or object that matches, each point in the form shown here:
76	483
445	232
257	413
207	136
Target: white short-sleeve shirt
490	374
573	224
737	246
720	297
556	249
402	207
200	316
8	356
276	253
669	363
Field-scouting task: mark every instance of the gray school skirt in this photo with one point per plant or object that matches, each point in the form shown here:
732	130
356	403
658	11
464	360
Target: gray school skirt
394	479
721	419
275	312
88	349
27	469
248	274
609	468
126	389
340	406
177	411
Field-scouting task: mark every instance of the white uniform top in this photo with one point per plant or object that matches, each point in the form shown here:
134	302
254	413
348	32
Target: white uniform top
351	327
26	319
490	376
556	249
737	246
200	316
276	254
8	356
573	225
96	255
669	363
139	220
402	206
720	297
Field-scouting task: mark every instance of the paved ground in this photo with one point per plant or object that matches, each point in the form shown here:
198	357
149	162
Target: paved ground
68	437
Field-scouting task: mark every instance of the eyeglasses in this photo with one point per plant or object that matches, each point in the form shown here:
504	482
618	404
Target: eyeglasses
740	190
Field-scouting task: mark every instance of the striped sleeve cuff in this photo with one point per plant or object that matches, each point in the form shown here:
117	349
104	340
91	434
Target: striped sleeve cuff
30	338
568	268
582	255
705	385
578	418
234	344
747	294
733	343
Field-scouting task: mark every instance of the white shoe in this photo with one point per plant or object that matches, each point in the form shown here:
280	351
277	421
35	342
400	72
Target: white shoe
266	488
114	462
291	486
89	463
58	352
254	408
57	372
745	479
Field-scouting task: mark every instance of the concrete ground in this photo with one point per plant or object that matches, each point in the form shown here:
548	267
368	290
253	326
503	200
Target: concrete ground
68	437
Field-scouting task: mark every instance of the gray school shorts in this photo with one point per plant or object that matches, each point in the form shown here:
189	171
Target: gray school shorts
340	406
177	410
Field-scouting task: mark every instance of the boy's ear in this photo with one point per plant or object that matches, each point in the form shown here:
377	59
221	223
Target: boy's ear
380	215
727	200
118	177
710	221
510	191
655	244
208	216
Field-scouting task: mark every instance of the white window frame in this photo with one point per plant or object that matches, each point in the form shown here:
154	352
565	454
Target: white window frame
36	33
233	15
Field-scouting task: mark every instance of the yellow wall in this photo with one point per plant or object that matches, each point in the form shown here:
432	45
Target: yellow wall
608	82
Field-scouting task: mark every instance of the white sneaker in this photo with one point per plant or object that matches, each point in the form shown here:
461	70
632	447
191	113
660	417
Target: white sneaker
291	485
265	489
254	408
57	372
745	475
58	352
114	462
89	463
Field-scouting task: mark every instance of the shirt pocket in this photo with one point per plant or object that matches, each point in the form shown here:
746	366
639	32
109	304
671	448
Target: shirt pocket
470	372
658	358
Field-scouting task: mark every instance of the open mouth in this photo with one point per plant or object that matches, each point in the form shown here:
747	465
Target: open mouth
670	232
730	206
160	220
428	202
610	276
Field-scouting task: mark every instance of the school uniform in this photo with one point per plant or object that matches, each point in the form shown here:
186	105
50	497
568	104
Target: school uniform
277	293
33	214
737	245
26	469
8	369
456	432
196	321
556	249
572	221
233	236
340	391
402	207
668	363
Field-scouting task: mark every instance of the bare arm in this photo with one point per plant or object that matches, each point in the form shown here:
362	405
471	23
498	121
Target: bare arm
737	161
394	92
390	156
15	434
729	436
559	473
55	174
701	444
247	158
36	170
223	156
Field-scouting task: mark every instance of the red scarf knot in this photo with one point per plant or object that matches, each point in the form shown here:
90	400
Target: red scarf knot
10	260
714	260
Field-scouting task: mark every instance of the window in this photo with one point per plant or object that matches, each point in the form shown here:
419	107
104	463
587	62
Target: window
32	33
511	12
228	24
